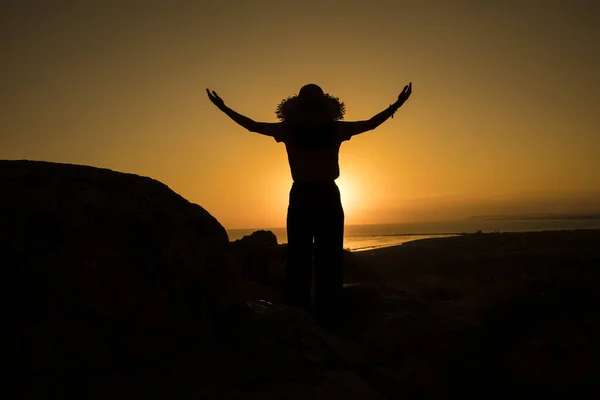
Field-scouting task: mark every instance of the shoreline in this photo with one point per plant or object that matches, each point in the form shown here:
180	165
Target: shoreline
437	237
416	238
412	238
374	237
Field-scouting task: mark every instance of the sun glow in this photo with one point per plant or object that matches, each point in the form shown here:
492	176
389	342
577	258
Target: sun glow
349	194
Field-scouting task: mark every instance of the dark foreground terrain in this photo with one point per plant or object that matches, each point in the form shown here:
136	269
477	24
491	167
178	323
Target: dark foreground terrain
116	287
499	315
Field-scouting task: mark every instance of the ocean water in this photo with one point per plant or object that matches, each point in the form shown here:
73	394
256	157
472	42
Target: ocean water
368	237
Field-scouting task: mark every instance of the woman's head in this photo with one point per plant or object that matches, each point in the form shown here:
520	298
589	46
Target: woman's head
311	92
311	103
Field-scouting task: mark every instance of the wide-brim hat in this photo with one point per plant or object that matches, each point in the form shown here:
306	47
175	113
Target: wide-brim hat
311	101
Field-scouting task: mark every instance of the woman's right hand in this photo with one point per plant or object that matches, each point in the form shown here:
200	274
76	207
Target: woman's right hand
215	99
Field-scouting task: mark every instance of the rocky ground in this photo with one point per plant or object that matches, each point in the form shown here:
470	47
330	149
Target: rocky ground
116	287
502	315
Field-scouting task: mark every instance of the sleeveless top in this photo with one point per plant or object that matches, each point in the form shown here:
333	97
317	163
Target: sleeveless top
313	150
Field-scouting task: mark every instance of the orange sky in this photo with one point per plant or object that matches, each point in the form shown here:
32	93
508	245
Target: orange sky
503	118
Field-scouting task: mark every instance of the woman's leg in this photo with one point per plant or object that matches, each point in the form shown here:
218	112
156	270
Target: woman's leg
329	242
300	246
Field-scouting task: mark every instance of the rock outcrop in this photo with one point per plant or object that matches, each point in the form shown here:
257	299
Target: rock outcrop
258	239
115	286
261	258
101	268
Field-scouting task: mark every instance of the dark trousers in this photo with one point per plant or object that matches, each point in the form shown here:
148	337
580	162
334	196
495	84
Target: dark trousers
315	229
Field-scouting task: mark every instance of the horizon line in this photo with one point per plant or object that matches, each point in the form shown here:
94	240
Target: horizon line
484	217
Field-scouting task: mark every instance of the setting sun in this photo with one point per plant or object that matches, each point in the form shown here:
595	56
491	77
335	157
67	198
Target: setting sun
351	198
485	118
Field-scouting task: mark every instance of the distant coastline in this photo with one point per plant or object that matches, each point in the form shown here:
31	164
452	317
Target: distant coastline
536	216
372	236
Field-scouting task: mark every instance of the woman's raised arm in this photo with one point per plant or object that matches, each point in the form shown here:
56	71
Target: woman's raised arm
264	128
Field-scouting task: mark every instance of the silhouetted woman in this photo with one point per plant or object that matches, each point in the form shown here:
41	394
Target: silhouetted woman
312	131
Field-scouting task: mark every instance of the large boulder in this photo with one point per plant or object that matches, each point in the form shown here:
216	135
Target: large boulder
101	268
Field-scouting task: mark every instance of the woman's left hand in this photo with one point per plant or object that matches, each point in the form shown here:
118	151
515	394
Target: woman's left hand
405	94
